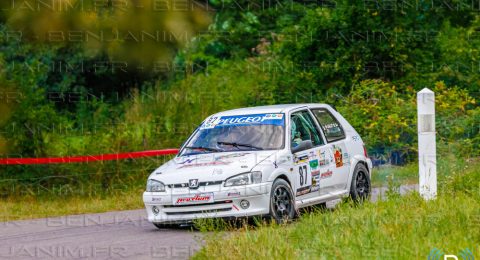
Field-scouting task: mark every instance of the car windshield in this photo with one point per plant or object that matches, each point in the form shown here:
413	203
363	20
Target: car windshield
238	133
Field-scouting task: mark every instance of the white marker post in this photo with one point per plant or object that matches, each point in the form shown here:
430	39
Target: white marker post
427	152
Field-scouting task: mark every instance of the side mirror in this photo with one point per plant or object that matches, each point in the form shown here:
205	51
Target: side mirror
303	145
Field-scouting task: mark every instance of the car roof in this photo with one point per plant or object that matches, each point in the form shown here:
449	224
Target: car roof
284	108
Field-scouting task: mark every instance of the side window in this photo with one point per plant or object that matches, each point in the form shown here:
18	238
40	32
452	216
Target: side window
331	128
303	128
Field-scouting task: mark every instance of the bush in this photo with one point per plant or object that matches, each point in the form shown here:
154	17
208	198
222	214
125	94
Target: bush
386	117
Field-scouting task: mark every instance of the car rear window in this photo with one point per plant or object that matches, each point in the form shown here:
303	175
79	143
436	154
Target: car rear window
331	127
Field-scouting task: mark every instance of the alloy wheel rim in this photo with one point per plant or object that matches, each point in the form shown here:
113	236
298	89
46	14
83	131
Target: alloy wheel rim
282	202
362	185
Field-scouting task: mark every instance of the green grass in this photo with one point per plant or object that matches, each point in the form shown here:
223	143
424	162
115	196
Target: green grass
447	165
29	207
407	174
402	229
34	206
398	228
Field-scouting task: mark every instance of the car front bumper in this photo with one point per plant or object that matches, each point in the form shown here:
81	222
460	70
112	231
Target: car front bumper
226	203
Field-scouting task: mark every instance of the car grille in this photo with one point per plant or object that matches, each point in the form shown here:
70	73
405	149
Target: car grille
201	204
200	184
199	211
218	206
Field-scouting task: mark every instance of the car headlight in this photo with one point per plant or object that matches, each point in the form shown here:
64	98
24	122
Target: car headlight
155	186
244	179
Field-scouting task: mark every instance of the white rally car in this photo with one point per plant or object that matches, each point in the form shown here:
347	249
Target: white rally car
269	161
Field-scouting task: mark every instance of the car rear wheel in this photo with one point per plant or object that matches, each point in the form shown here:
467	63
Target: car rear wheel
282	205
360	188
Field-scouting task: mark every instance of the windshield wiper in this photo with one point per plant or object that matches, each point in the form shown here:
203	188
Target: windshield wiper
203	148
238	144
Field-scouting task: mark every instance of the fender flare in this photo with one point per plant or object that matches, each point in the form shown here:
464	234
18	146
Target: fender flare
281	173
354	162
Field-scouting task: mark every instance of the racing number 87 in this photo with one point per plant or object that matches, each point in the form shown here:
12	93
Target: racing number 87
302	170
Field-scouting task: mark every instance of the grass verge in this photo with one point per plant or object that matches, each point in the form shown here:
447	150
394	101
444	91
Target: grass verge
398	228
129	197
447	166
384	174
30	207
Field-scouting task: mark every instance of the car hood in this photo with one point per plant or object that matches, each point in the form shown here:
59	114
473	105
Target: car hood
208	167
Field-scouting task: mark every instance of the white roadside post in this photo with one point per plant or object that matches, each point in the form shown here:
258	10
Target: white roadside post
427	152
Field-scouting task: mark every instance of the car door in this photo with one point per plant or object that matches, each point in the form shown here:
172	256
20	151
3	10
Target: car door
307	163
335	149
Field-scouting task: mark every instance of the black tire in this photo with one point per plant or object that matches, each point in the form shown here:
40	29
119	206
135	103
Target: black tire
360	188
282	202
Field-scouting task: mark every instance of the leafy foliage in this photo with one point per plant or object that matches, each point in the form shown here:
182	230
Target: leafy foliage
385	116
366	58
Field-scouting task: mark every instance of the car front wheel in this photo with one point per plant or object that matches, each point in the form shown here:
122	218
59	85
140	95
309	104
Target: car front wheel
282	205
360	188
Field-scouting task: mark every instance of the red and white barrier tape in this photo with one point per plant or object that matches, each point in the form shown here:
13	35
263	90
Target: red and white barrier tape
88	158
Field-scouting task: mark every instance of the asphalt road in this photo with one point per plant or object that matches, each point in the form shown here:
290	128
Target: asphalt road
111	235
